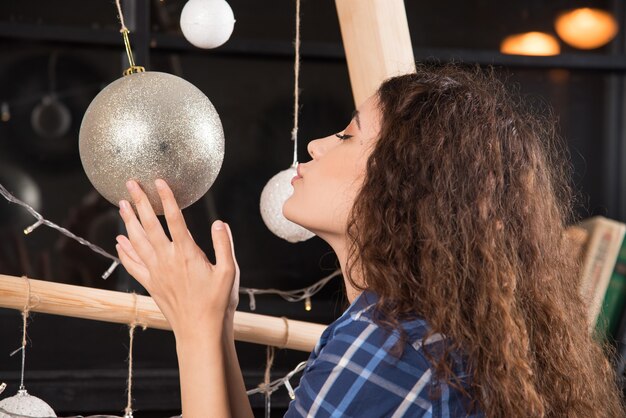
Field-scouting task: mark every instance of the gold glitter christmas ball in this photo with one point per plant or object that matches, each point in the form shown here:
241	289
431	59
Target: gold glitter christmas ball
151	125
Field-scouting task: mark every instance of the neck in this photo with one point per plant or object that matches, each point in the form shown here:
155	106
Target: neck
339	245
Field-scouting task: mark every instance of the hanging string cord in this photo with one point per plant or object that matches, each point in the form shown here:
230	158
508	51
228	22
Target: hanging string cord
124	31
25	313
286	321
269	361
41	221
128	411
121	16
296	92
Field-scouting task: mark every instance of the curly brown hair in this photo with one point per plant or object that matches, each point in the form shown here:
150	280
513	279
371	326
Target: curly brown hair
461	221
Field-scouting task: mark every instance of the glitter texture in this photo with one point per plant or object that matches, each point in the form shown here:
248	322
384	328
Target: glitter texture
152	125
27	405
273	196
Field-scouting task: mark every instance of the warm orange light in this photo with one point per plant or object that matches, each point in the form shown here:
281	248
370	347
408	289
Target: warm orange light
530	43
586	28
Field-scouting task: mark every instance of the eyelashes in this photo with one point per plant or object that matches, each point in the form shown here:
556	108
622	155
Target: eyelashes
343	137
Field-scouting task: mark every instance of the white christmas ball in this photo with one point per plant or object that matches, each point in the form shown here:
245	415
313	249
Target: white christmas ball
277	190
207	23
26	405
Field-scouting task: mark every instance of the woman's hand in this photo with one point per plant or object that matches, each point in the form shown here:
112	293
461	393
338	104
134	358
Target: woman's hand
194	295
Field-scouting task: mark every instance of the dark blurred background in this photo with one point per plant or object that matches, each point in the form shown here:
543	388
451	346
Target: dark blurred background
69	50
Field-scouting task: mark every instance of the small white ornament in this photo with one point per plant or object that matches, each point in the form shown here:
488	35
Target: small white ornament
24	404
207	23
277	190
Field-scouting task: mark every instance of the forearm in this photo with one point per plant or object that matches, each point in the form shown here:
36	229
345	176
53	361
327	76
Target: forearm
238	398
203	385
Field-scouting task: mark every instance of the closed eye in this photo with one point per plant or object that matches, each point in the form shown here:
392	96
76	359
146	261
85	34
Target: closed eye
343	137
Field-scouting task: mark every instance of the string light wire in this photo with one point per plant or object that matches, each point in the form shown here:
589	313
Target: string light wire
289	295
274	385
42	221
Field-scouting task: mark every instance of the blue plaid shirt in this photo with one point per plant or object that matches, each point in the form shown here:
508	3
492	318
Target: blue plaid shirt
351	373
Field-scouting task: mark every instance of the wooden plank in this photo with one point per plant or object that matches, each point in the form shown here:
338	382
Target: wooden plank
119	307
377	43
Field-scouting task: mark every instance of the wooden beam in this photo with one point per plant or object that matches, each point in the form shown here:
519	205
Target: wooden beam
377	43
119	307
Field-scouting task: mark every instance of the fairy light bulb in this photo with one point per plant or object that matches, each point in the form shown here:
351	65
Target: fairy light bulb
586	28
292	394
5	112
33	227
530	43
307	304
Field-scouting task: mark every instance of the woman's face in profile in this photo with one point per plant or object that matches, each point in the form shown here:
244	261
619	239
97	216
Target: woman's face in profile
329	183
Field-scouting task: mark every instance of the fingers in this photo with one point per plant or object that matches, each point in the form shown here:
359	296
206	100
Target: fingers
136	233
174	217
135	269
127	246
224	254
149	220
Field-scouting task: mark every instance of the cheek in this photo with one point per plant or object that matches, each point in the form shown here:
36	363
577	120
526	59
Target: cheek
323	200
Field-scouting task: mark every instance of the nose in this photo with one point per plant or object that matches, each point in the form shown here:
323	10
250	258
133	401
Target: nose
314	148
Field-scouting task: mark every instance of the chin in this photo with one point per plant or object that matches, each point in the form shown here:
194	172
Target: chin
297	216
290	213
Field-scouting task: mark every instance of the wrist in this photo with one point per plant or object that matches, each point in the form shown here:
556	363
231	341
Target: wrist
228	328
198	335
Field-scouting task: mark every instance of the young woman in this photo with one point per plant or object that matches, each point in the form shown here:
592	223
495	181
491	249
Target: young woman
446	203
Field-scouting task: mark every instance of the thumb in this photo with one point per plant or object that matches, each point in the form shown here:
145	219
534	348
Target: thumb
231	243
224	254
232	248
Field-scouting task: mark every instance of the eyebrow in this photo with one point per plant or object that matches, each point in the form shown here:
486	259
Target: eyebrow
355	115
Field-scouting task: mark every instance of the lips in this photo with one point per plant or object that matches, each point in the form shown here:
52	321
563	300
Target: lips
297	176
294	179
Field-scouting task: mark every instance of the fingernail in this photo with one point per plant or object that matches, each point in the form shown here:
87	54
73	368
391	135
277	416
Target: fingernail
123	205
158	183
218	225
131	185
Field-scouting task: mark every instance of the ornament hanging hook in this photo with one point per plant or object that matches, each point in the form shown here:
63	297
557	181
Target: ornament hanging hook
133	68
